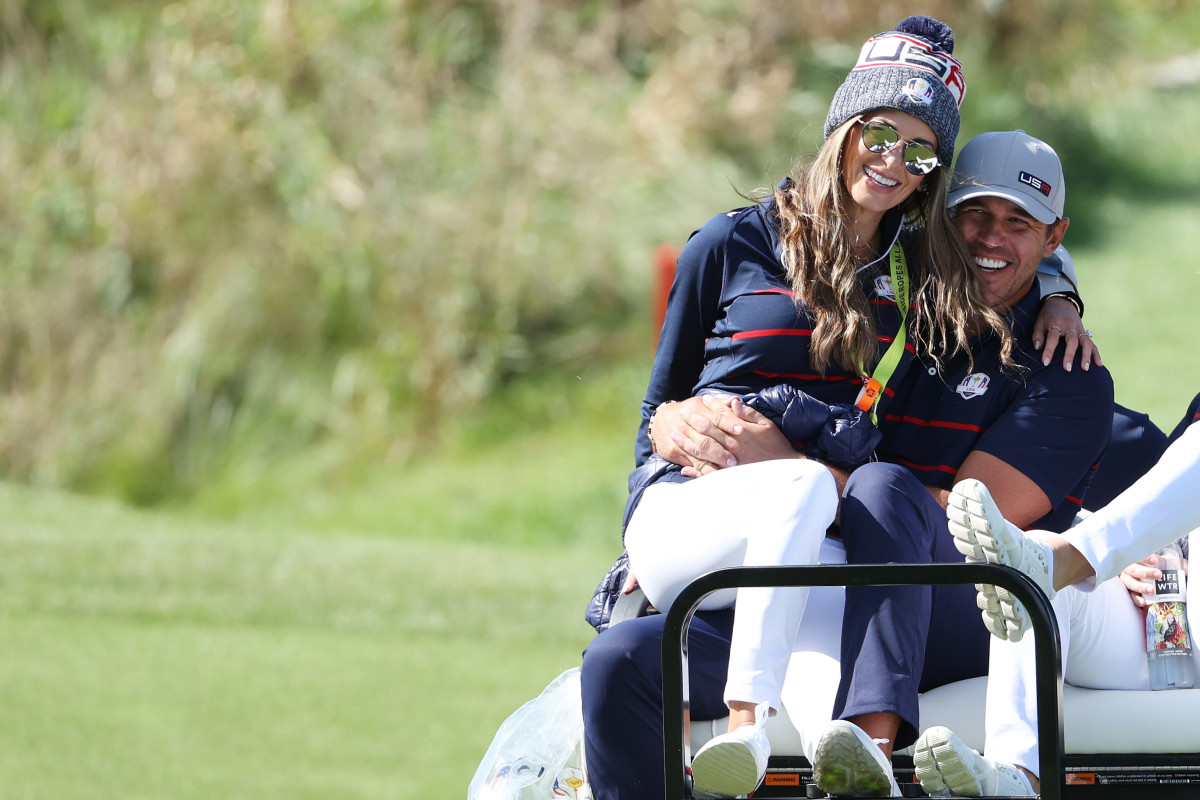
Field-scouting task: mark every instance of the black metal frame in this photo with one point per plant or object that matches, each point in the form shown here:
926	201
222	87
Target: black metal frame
1047	648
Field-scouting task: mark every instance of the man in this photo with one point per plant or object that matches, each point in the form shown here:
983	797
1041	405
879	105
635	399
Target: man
1101	629
1033	433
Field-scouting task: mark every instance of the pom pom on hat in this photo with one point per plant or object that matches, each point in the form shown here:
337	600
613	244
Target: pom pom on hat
907	69
934	31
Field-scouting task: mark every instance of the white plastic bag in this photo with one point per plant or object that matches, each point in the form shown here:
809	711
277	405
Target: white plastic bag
538	752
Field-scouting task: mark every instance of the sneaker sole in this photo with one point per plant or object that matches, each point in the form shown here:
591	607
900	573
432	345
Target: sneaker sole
726	769
843	768
941	766
975	536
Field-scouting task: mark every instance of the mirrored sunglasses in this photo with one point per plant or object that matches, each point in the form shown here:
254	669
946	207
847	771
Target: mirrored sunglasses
879	137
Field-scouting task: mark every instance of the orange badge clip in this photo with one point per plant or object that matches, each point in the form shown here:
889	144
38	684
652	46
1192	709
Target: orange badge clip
869	394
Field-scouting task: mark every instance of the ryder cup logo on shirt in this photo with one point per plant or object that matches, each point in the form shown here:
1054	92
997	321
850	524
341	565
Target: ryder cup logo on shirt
973	385
883	287
919	91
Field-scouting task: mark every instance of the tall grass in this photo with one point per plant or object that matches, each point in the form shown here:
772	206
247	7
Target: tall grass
235	232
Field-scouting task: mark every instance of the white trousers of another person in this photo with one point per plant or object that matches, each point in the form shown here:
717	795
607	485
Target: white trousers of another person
765	514
1160	507
1103	647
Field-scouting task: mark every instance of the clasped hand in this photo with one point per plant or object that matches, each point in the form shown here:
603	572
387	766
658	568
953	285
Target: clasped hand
709	432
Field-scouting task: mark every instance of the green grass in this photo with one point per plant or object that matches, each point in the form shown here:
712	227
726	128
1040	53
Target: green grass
154	655
1140	282
358	643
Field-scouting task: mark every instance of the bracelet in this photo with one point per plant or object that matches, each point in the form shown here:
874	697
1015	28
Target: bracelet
1071	298
650	424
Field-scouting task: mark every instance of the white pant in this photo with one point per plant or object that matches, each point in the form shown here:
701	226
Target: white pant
815	669
765	514
1103	633
1162	506
1103	647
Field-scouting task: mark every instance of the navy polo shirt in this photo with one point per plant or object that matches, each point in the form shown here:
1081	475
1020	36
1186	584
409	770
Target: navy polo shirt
732	323
1049	424
1192	416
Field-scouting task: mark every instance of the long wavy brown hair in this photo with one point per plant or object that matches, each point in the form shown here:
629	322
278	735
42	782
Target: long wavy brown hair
818	252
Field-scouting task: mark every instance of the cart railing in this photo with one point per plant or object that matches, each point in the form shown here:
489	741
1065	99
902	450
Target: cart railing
1047	648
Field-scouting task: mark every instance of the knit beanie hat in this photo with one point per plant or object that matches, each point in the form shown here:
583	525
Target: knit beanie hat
908	69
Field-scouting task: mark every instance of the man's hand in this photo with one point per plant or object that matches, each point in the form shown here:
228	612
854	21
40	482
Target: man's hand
711	432
677	423
747	435
1059	321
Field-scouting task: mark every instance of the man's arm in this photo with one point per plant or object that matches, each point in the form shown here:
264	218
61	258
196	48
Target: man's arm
1020	499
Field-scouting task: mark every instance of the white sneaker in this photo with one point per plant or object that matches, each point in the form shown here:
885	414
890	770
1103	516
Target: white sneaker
848	762
946	767
982	534
733	763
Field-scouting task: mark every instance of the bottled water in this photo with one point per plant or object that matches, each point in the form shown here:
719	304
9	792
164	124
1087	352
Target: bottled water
1168	642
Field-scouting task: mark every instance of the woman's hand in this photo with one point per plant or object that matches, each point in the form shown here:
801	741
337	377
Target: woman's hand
1139	580
1059	321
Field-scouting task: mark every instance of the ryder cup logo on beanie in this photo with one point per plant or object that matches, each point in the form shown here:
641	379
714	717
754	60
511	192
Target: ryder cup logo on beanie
1015	166
919	91
908	69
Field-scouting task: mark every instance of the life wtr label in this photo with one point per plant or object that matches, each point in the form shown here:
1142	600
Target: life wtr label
1166	628
1168	589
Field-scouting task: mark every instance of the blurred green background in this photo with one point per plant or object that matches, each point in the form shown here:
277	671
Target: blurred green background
325	324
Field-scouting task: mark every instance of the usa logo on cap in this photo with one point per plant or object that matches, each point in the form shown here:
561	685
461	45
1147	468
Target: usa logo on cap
1036	183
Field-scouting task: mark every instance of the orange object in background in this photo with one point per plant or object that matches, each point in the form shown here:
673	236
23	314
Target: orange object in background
665	258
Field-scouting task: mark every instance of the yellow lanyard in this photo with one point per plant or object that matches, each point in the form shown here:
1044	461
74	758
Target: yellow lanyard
868	396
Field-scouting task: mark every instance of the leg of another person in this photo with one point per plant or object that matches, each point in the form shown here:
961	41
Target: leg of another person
1103	647
1158	508
622	699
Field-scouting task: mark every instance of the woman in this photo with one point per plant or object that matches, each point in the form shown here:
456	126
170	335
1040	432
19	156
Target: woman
800	289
